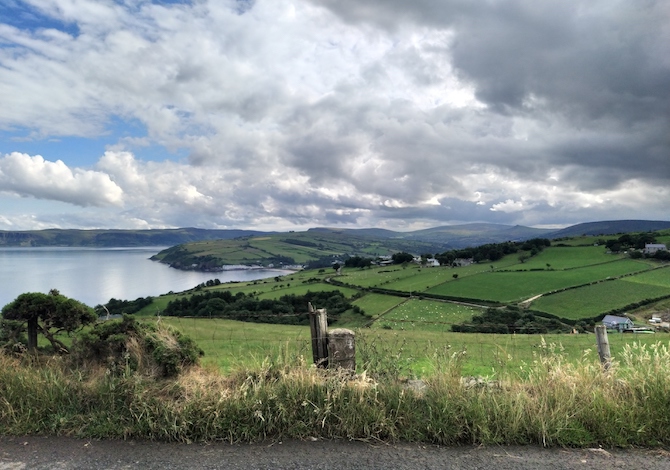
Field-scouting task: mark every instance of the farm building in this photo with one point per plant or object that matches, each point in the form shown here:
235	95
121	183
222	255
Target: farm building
651	248
614	322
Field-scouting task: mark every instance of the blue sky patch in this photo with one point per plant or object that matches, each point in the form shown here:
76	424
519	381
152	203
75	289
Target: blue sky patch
26	17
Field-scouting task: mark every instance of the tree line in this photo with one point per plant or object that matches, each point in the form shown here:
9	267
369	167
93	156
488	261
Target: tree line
289	309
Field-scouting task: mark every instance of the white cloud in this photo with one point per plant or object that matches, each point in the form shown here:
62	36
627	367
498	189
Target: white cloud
511	206
35	177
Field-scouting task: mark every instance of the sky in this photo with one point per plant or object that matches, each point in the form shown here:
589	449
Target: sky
291	114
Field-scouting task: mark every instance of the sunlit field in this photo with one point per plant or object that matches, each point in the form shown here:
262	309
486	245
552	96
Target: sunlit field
589	301
517	286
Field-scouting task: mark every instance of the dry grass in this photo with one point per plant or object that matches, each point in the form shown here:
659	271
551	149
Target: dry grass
548	401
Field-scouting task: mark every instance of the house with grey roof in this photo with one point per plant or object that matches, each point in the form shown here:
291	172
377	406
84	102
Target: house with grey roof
613	322
651	248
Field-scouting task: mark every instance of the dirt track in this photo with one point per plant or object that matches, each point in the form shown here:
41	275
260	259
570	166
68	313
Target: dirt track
18	453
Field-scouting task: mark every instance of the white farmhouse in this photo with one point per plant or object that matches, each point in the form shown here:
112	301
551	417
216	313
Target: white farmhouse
651	248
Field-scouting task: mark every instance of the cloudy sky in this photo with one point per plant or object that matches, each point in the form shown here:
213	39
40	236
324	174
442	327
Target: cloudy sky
289	114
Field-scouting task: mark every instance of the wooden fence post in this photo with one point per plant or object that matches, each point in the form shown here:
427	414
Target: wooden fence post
318	327
603	346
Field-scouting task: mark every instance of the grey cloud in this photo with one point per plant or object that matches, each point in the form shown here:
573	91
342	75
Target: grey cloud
573	65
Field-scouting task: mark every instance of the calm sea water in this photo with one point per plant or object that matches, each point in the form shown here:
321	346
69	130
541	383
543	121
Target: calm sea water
95	275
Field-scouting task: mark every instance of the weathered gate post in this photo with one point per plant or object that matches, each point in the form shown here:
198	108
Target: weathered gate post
318	326
603	346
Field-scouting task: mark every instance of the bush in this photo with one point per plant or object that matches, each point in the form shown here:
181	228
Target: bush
130	346
13	339
511	320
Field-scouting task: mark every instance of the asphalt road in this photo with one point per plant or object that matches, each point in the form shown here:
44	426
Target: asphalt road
18	453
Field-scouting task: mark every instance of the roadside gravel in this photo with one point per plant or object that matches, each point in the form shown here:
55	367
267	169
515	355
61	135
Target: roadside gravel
19	453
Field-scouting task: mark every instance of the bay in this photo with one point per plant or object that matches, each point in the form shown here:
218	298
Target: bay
95	275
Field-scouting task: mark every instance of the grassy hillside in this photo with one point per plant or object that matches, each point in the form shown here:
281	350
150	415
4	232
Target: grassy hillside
283	249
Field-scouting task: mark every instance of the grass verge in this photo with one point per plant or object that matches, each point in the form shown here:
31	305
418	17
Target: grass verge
549	401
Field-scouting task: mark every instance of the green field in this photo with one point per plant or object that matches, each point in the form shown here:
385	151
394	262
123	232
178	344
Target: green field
376	304
590	301
425	315
657	277
565	258
230	344
422	280
517	286
302	289
377	276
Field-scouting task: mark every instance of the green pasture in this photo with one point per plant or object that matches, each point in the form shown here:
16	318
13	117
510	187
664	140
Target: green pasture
234	251
229	344
301	254
565	258
157	306
414	277
657	277
596	299
663	236
302	289
586	240
426	315
377	276
504	286
376	304
423	279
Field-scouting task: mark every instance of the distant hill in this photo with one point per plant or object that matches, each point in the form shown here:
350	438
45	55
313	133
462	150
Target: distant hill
467	235
115	238
610	227
447	237
431	240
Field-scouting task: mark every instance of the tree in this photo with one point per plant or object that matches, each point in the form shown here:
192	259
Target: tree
402	257
49	314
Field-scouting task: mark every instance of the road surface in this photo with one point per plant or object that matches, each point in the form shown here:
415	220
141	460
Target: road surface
53	453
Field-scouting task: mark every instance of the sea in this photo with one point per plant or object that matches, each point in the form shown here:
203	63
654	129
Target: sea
95	275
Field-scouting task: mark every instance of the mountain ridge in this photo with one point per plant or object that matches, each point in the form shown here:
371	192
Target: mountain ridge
442	237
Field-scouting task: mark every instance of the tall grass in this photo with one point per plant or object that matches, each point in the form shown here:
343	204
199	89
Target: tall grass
548	401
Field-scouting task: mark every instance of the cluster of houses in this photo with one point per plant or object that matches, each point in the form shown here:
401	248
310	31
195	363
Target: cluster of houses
428	262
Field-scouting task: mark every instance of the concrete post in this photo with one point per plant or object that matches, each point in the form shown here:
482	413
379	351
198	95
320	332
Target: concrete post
603	346
341	349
